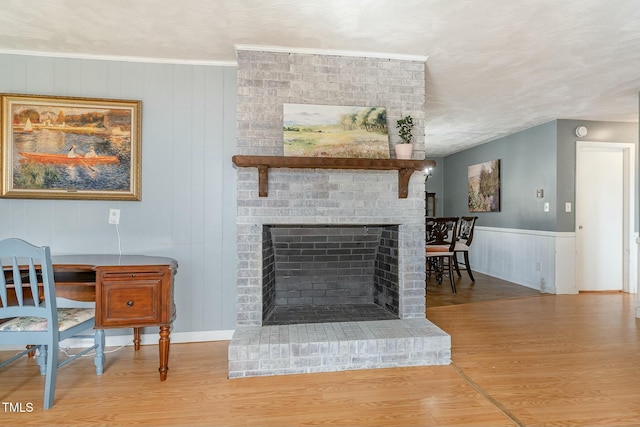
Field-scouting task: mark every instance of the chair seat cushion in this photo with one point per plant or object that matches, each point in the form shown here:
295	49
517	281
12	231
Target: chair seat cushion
67	318
461	246
437	250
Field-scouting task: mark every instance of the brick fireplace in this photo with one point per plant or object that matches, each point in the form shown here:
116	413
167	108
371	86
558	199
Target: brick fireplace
300	202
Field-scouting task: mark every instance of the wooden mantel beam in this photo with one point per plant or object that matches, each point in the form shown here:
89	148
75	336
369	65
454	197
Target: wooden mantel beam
404	167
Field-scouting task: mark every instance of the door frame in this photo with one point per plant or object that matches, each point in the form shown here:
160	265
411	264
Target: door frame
629	262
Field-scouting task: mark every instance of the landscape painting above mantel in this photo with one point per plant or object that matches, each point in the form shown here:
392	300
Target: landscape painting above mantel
335	131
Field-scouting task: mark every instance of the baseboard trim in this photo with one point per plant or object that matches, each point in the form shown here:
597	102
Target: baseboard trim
147	339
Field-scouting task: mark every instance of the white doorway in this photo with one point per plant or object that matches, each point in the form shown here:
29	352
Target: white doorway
604	216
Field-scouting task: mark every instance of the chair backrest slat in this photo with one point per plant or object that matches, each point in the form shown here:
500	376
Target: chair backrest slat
33	279
17	281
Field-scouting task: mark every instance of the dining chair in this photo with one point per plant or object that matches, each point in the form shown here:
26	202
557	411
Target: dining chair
439	250
464	239
27	270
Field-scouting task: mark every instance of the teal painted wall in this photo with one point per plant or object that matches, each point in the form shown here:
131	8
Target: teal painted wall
188	181
540	157
527	162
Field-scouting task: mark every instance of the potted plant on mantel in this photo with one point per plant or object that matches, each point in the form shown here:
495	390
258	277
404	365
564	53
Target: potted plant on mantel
405	131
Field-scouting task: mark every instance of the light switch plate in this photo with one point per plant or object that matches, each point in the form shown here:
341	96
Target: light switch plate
567	207
546	207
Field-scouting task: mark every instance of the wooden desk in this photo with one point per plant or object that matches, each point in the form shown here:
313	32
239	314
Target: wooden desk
130	291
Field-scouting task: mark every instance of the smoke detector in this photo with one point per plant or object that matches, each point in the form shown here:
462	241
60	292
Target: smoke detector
581	131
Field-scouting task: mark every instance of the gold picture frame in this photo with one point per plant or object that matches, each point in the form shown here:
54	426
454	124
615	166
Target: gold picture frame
56	147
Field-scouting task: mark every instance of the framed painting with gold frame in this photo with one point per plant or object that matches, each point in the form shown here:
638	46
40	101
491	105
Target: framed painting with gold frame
57	147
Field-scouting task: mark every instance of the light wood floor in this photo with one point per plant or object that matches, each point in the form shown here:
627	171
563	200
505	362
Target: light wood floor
485	288
540	360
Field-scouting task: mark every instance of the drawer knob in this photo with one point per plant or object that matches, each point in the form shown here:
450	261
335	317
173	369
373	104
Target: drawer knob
133	275
130	303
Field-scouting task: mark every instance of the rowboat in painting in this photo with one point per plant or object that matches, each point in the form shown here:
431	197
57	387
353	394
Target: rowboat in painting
63	159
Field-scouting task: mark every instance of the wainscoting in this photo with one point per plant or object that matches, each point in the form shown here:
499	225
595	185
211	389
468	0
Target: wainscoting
539	260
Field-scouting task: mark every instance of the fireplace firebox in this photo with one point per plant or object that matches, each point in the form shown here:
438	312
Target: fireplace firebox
329	273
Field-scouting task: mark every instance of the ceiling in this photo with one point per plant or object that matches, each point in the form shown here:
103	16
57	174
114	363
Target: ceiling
494	67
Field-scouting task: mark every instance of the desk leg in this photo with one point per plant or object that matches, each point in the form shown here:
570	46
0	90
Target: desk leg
164	352
136	338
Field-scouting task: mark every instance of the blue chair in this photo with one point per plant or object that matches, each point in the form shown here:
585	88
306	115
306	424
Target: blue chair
28	299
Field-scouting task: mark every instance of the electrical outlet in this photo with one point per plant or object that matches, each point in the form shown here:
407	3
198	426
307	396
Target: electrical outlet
114	216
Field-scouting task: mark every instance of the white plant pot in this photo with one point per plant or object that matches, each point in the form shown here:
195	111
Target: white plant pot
403	151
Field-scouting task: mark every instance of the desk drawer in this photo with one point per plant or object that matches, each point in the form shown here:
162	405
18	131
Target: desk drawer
130	299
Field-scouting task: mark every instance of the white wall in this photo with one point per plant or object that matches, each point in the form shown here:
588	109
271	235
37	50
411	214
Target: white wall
188	181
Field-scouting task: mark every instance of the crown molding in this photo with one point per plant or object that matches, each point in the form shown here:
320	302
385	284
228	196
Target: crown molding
331	52
258	48
119	58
